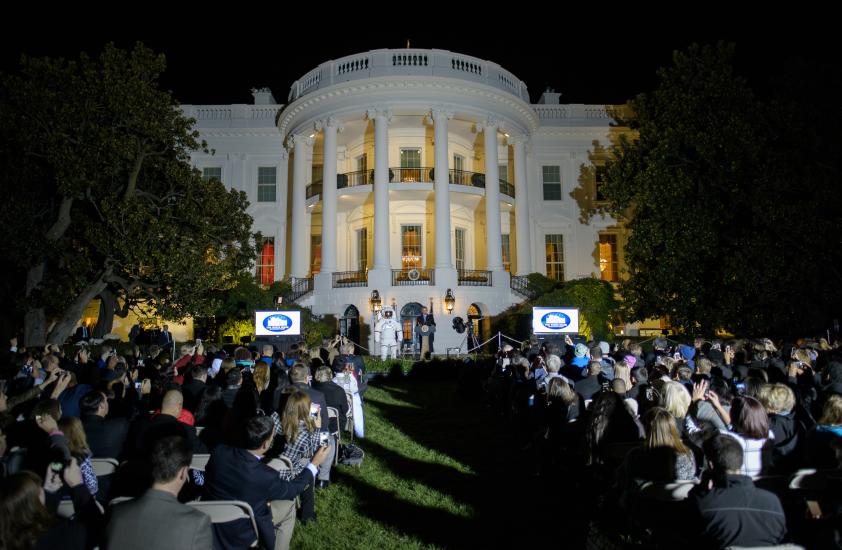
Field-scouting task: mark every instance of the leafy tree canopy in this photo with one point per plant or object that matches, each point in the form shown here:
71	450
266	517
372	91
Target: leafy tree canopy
732	201
101	196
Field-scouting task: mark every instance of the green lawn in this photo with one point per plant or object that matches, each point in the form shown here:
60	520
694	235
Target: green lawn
418	487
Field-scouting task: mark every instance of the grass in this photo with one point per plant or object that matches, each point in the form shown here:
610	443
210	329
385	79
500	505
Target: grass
418	485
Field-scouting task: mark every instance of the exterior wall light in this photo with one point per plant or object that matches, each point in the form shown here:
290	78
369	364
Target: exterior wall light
375	302
449	301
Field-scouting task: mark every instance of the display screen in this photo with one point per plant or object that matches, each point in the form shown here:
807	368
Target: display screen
555	320
277	323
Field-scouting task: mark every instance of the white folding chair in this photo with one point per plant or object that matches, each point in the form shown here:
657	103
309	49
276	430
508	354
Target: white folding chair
280	463
118	500
802	479
199	461
776	547
333	412
104	466
65	509
199	429
223	511
674	491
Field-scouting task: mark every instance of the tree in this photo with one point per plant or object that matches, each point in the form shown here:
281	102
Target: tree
723	195
101	196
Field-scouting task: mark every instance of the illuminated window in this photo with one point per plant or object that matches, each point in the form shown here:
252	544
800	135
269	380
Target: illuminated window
315	253
460	248
507	258
411	246
265	273
362	249
555	256
552	183
410	165
600	182
608	257
266	183
212	173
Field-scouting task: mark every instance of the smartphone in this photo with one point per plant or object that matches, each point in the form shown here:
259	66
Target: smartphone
137	385
741	387
314	410
324	439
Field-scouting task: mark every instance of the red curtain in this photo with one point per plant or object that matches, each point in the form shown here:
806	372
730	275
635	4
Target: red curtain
267	263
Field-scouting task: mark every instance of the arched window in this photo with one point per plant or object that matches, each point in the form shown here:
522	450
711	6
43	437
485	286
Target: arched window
474	316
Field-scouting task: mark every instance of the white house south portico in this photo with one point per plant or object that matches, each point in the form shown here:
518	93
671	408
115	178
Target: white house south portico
414	172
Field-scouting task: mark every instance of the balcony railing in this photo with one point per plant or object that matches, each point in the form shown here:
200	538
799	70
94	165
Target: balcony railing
300	287
520	284
347	279
474	277
421	174
413	277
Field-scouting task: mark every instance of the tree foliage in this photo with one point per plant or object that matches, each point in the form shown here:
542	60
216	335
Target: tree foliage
732	203
101	196
594	298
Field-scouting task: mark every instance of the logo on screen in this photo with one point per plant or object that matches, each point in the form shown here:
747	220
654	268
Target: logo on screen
277	323
555	320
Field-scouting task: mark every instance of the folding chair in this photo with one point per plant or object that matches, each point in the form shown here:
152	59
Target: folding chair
674	491
199	461
118	500
199	429
104	466
280	463
224	511
65	509
333	412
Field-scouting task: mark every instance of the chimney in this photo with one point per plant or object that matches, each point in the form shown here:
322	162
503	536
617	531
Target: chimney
549	97
263	96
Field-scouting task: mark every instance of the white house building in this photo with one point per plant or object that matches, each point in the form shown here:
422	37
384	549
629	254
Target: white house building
408	174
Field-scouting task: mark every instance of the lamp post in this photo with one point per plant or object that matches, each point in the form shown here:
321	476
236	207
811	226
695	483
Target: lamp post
375	302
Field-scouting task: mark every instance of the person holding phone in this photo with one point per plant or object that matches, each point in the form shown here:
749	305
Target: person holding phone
301	423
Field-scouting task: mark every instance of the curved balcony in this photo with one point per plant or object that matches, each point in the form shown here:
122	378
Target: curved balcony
411	175
414	62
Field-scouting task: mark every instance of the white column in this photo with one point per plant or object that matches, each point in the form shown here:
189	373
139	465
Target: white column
381	119
442	187
494	240
524	243
299	249
330	127
281	244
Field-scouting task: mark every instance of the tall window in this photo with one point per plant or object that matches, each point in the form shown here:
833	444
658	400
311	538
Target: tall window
266	183
608	257
460	248
362	249
503	170
507	255
265	273
212	173
315	253
411	164
458	170
552	183
362	171
410	246
555	256
600	181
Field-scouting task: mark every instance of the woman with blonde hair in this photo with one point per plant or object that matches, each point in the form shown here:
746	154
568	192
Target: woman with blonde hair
622	370
300	424
663	457
676	400
79	450
819	449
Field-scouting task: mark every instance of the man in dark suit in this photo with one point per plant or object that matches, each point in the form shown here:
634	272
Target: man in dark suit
195	387
238	474
299	375
165	424
591	385
106	437
157	519
428	320
165	338
83	334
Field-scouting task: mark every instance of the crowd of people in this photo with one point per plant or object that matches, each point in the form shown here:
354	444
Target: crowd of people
710	445
262	416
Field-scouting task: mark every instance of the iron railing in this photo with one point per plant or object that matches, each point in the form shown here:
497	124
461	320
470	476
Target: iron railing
300	287
410	175
520	285
474	277
413	277
347	279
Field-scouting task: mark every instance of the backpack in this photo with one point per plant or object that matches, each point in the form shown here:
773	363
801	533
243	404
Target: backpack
350	455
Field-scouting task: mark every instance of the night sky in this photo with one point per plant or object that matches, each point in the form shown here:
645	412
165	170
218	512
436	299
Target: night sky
594	56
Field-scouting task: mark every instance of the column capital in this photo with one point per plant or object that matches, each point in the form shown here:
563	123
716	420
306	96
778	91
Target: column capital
489	124
516	138
329	122
441	112
379	112
300	139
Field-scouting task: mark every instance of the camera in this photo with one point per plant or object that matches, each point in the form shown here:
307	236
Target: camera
741	387
137	385
314	410
324	439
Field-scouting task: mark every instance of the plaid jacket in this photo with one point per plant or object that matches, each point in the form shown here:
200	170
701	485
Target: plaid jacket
303	447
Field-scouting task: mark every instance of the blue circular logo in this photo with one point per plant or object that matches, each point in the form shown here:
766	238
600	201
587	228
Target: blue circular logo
277	323
555	320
